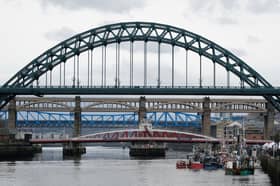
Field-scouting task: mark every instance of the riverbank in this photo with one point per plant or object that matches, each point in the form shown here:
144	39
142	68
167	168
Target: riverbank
271	166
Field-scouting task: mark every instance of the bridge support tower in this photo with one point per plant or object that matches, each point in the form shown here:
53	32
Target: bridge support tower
75	149
206	117
269	121
77	117
10	147
12	114
142	109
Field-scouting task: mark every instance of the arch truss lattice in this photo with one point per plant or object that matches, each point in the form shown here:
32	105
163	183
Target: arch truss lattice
131	32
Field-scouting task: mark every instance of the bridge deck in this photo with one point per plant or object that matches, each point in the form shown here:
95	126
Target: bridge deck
137	90
141	135
51	141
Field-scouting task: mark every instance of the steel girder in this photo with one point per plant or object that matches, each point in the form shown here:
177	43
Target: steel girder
136	31
162	119
135	90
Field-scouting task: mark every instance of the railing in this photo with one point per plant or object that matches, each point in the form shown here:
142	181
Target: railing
147	86
139	90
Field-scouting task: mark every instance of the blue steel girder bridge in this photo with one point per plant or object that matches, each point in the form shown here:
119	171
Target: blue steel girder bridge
38	119
156	59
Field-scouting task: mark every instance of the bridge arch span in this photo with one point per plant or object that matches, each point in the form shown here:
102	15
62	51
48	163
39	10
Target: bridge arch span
32	105
168	106
244	106
113	106
130	32
145	135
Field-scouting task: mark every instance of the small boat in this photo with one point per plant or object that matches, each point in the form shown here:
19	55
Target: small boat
195	165
233	168
194	162
180	164
211	163
240	166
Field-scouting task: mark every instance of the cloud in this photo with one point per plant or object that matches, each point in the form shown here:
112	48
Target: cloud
215	10
253	39
102	5
226	21
202	5
230	4
214	5
263	6
60	34
239	52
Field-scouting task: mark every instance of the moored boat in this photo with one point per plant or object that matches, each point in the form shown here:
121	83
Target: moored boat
180	164
211	163
232	169
195	161
240	166
195	165
239	162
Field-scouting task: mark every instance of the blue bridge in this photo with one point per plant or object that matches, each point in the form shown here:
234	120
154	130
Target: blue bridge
54	119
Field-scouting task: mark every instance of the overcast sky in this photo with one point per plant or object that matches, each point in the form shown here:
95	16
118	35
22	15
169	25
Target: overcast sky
248	28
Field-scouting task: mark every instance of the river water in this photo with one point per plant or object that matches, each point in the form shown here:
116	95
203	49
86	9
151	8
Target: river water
112	166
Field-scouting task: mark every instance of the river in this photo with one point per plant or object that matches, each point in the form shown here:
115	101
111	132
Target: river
112	166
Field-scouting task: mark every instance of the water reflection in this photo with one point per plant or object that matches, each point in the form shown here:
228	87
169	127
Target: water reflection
11	163
113	166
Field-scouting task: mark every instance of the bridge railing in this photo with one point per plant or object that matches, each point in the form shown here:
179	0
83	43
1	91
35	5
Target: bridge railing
142	86
139	90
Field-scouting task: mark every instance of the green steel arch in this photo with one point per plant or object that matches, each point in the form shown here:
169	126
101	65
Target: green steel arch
137	31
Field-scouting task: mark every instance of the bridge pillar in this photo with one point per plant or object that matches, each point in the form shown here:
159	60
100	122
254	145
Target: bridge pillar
269	121
206	117
77	117
75	149
142	109
12	114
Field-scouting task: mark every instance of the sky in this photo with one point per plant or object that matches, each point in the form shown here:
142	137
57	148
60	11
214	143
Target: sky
248	28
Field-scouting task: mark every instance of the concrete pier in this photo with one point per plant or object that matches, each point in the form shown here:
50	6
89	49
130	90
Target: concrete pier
18	150
75	149
142	109
155	152
12	114
77	117
206	117
269	121
141	149
10	147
